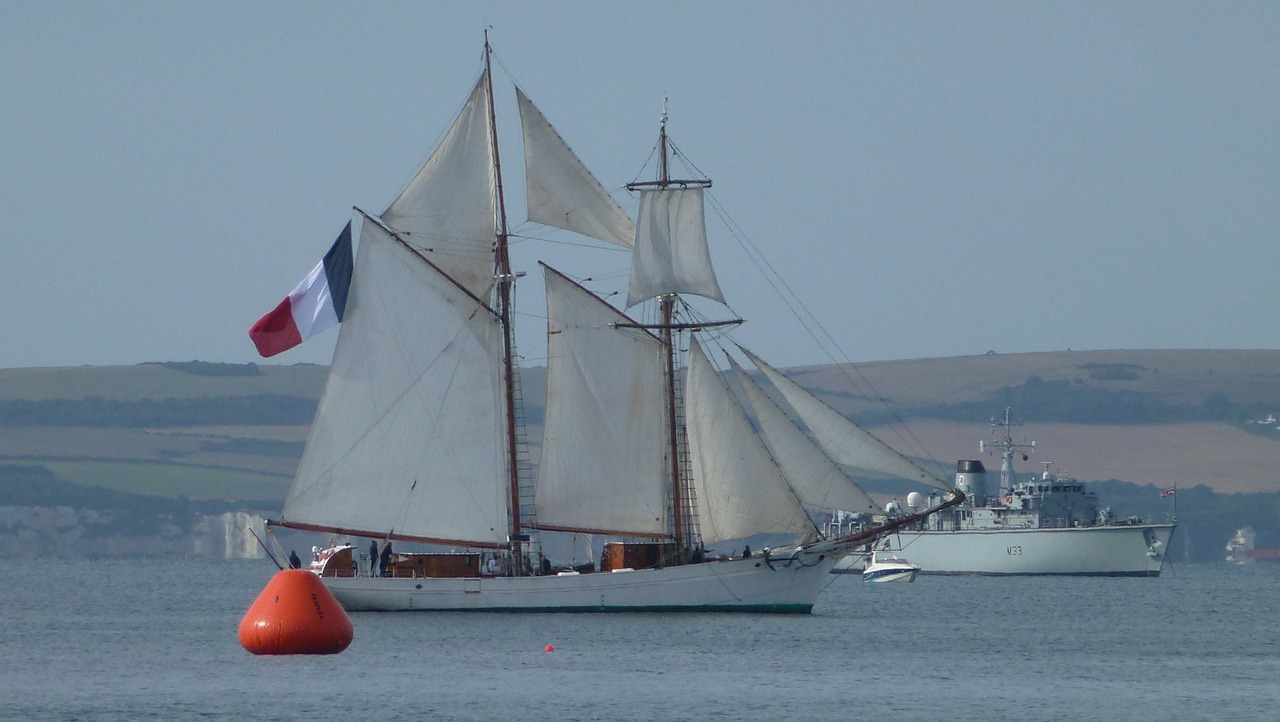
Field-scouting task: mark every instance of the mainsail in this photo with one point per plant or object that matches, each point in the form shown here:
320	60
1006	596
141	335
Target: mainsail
603	467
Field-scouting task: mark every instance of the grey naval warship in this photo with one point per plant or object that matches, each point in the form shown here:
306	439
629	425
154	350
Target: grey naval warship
1042	525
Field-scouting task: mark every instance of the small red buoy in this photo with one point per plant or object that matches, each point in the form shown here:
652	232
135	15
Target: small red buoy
548	648
295	614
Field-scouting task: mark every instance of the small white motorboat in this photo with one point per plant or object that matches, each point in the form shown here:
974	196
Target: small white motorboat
885	566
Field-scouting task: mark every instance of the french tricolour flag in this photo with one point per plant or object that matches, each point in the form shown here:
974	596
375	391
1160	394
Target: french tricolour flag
315	305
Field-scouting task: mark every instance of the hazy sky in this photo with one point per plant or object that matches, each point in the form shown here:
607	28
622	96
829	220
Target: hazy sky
932	179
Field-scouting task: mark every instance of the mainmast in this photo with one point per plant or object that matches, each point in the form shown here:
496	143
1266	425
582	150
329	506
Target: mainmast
502	272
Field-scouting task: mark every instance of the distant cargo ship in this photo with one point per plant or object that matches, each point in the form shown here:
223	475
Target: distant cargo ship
1240	549
1044	525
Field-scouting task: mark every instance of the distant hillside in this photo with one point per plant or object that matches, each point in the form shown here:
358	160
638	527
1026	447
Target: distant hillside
159	381
200	433
1082	387
175	427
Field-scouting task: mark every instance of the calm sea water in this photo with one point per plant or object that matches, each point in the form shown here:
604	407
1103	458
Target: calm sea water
125	640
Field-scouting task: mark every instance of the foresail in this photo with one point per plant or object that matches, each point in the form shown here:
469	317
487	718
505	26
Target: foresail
740	490
561	192
603	464
844	441
408	437
447	210
671	254
814	477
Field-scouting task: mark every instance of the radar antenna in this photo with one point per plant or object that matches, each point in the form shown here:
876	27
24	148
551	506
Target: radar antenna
1002	439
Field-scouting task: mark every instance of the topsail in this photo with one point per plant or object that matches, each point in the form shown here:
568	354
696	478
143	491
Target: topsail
561	192
447	210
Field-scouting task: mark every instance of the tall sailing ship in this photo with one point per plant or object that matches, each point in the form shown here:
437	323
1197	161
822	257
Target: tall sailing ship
418	436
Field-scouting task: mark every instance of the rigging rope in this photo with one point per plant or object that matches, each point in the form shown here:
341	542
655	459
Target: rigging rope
844	364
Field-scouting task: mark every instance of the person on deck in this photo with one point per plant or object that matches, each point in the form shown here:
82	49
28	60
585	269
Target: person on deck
373	558
385	560
294	561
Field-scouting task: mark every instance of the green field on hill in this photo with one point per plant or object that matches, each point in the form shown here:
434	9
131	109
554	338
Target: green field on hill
173	480
211	430
165	438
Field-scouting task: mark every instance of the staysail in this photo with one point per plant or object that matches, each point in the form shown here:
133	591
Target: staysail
844	441
561	192
814	477
603	465
740	490
408	438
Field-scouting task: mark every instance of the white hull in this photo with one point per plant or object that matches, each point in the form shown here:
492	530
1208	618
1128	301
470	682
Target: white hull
1126	551
781	584
883	573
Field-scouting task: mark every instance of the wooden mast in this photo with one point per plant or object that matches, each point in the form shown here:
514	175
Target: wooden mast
667	306
502	271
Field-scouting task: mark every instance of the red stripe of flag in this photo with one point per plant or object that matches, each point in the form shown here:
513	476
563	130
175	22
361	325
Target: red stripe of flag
276	331
317	303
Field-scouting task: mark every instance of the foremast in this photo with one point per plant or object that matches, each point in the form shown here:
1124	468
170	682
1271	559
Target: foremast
505	280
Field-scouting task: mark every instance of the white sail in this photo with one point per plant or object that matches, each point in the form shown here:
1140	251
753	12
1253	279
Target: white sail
740	490
408	437
561	192
604	466
671	254
447	210
844	441
814	477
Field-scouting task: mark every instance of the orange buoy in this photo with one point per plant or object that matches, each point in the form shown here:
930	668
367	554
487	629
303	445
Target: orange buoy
295	614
